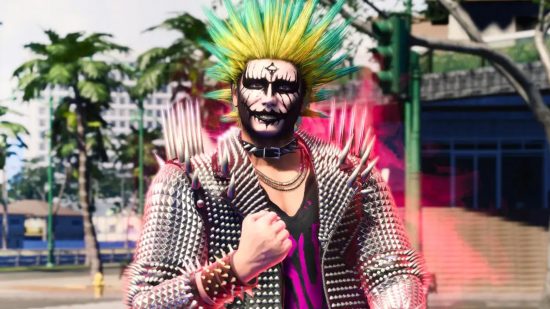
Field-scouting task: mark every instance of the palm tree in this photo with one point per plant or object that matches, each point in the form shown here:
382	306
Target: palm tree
9	132
182	63
127	151
70	62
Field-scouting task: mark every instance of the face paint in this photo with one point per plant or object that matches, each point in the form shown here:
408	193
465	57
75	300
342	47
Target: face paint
269	100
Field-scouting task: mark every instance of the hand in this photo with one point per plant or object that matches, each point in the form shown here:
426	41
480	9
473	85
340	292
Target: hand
264	243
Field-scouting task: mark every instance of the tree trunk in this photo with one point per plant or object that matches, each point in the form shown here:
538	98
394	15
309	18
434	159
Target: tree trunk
5	206
90	239
68	171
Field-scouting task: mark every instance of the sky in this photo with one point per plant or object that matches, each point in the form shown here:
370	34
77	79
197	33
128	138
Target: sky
24	21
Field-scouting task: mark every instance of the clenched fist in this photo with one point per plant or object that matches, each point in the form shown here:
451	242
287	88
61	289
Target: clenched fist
264	243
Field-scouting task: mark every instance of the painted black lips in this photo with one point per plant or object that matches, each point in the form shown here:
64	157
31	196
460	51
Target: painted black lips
267	117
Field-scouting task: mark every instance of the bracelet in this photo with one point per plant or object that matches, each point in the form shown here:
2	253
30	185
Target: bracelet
217	283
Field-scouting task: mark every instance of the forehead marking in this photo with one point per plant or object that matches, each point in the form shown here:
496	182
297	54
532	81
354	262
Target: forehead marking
272	69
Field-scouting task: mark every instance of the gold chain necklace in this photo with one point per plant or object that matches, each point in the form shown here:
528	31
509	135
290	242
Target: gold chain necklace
285	185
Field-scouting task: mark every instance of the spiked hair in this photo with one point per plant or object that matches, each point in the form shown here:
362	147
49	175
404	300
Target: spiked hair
287	30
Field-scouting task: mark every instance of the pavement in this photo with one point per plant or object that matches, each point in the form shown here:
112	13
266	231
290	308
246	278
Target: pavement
58	289
71	289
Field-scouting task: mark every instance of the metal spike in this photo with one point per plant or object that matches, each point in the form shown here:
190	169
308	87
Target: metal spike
182	156
194	133
231	188
174	130
365	142
249	292
351	130
187	162
343	155
364	158
342	124
359	144
198	124
332	120
195	183
225	162
367	170
368	150
166	134
159	160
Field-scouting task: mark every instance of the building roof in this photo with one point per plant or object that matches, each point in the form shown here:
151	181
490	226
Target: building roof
36	208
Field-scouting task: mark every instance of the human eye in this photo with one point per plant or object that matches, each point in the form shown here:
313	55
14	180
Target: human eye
286	87
255	84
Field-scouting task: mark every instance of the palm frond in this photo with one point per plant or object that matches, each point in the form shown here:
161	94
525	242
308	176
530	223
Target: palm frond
94	91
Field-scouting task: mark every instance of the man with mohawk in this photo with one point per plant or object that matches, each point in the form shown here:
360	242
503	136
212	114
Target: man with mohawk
274	218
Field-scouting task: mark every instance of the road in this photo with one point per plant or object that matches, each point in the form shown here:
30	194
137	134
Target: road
72	290
58	289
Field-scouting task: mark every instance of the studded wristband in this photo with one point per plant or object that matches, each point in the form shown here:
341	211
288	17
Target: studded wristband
217	283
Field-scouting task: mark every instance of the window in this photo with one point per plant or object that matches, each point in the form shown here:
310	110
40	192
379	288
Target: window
42	122
122	124
159	101
42	146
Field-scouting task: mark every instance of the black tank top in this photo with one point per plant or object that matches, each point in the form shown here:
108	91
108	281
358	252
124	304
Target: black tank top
302	279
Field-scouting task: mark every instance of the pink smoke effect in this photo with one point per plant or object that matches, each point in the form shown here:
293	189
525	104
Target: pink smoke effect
385	122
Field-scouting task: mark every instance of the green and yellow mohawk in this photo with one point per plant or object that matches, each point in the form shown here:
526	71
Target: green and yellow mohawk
287	30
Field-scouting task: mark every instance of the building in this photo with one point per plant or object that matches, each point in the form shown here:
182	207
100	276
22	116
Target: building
123	227
16	229
478	136
122	115
29	219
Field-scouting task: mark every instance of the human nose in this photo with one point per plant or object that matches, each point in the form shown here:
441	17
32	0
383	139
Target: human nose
269	92
270	102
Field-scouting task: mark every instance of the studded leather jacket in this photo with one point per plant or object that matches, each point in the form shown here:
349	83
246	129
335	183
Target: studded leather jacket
367	260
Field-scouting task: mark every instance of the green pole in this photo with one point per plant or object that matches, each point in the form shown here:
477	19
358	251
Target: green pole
409	10
140	192
413	154
50	261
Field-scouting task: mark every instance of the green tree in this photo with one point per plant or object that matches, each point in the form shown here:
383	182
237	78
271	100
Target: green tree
127	152
29	183
71	62
10	135
182	63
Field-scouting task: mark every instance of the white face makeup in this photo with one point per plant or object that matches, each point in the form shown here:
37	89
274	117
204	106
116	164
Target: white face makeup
269	97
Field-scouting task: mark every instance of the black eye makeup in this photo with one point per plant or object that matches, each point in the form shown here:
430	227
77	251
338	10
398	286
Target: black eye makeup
279	86
255	83
283	86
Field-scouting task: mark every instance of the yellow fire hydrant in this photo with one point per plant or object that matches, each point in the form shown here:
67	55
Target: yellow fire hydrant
99	285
